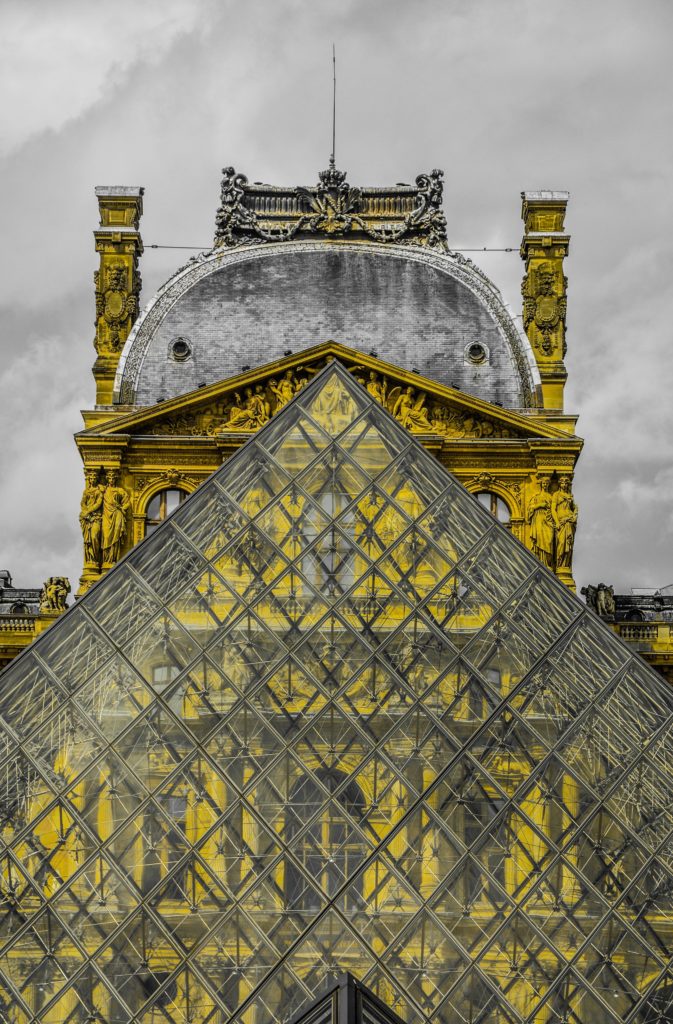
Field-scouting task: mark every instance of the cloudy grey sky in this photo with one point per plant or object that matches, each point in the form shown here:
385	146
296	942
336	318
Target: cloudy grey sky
505	95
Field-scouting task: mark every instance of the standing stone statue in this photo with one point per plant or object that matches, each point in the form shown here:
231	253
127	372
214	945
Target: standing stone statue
376	388
541	522
116	503
564	512
282	390
54	594
605	600
91	518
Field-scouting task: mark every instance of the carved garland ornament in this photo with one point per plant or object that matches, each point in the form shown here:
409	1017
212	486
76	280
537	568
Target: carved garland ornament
171	477
543	307
115	303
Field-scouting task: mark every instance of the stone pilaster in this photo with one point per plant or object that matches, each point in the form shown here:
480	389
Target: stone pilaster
117	280
543	248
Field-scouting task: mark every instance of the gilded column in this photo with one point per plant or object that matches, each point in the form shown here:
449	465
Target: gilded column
543	248
117	280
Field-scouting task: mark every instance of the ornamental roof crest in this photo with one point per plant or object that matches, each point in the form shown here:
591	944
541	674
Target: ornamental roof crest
408	214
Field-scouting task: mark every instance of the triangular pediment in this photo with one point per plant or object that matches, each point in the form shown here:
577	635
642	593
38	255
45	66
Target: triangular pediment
241	404
331	716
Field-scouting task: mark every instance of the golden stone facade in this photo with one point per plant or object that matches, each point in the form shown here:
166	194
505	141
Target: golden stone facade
133	456
179	443
136	458
316	709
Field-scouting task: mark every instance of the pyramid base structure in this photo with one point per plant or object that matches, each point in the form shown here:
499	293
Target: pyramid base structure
346	1001
332	717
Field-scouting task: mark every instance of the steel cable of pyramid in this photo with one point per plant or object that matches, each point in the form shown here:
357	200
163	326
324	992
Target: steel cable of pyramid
331	716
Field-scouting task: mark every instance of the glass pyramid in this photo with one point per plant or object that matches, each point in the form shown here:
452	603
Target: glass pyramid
331	716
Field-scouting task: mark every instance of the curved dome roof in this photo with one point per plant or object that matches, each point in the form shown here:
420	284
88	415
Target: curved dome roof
245	307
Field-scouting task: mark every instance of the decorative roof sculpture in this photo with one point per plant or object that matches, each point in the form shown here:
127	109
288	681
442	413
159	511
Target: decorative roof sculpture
269	213
332	716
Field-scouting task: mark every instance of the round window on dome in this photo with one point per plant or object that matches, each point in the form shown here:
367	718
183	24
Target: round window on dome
180	349
475	352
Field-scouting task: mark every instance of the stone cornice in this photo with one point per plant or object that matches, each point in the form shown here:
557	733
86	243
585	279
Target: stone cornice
148	419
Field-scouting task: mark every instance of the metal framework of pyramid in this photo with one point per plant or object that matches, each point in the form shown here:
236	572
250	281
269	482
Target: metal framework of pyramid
346	1001
332	717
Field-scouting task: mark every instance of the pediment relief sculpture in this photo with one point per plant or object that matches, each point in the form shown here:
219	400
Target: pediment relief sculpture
250	407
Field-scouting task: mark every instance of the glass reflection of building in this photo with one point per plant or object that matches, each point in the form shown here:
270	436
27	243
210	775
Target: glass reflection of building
331	716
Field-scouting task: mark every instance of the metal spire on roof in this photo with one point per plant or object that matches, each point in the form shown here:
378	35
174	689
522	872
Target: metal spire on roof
333	156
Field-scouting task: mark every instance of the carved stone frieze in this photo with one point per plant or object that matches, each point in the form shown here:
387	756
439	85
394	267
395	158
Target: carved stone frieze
516	488
250	407
182	424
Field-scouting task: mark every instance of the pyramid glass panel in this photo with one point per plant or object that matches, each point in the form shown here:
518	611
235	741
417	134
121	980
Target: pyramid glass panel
331	716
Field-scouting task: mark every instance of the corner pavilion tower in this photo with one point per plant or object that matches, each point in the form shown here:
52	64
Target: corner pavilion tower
331	716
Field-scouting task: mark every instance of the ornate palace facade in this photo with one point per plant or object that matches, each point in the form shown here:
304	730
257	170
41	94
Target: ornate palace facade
329	712
297	276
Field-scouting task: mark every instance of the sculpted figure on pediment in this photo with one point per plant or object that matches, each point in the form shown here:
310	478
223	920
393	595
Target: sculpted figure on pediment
247	413
283	390
377	388
409	408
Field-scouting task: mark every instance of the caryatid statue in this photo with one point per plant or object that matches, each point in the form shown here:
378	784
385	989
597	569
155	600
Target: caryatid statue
116	503
541	520
564	512
91	519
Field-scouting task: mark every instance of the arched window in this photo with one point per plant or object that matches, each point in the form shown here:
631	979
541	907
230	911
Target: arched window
161	505
327	851
19	608
494	504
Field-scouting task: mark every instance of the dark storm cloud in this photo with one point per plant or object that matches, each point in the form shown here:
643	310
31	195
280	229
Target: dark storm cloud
504	94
